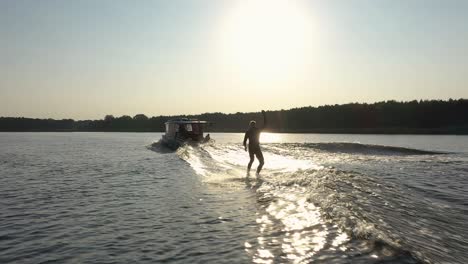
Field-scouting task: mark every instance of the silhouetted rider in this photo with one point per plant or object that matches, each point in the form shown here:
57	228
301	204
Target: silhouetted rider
253	135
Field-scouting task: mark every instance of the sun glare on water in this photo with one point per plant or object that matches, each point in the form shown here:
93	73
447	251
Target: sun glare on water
270	137
266	37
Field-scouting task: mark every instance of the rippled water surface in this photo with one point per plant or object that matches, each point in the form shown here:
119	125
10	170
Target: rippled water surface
121	197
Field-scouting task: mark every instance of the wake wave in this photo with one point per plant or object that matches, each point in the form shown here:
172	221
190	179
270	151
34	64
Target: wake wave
365	149
347	204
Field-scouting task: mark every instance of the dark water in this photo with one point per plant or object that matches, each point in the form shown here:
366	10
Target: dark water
118	198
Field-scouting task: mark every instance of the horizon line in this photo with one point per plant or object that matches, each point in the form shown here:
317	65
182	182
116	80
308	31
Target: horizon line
230	113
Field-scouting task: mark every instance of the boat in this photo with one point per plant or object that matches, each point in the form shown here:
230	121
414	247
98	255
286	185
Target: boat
182	130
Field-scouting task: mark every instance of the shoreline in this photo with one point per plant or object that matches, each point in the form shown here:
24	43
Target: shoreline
350	132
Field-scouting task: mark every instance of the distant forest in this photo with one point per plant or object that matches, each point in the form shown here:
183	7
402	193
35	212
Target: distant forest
389	117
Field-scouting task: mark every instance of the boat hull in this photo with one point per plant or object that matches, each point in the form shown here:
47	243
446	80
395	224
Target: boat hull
175	143
171	143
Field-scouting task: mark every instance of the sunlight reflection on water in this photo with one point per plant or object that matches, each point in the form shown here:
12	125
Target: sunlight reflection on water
266	137
302	230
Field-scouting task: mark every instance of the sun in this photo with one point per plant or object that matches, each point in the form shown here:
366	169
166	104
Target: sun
267	37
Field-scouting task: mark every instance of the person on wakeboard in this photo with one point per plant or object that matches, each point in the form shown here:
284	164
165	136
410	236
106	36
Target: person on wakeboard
253	135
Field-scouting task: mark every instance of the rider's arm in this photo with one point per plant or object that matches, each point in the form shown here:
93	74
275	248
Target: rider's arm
265	123
245	140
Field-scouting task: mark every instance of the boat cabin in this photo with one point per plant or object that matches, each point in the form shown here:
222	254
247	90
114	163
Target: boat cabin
184	128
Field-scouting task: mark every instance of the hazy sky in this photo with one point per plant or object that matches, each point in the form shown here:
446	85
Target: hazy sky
86	59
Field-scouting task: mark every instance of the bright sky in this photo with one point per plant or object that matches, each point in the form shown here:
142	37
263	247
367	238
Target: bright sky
85	59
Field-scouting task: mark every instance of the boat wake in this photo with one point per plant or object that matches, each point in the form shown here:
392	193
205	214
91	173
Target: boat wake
309	210
363	149
159	147
162	148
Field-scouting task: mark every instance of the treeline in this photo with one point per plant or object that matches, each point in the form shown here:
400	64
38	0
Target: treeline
414	117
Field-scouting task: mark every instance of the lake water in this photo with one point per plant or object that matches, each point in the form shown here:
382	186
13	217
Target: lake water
121	198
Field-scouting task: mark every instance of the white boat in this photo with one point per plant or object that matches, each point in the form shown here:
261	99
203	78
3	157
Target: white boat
179	131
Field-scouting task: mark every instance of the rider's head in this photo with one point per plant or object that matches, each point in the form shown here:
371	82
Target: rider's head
252	123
